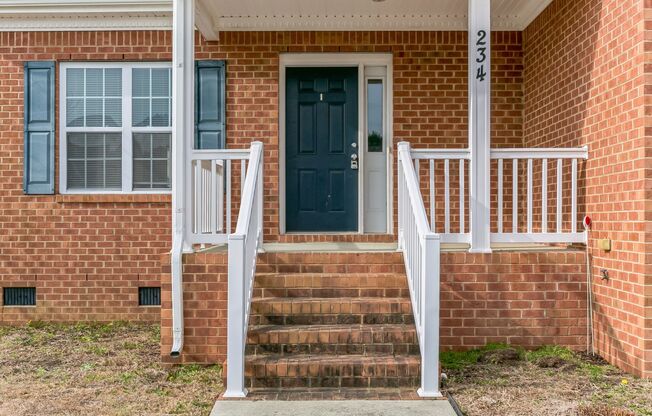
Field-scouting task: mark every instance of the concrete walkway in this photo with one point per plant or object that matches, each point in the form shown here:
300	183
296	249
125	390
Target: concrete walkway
333	408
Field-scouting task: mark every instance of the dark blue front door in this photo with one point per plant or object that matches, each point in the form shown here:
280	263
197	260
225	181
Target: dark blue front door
321	138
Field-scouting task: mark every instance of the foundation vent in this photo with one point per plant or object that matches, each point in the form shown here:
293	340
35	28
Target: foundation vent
149	296
19	296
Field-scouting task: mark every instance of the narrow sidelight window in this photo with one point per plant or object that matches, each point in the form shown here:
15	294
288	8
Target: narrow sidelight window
375	113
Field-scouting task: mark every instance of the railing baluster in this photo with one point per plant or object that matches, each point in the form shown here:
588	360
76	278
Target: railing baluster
207	200
574	196
500	196
417	171
559	195
529	196
544	195
197	197
515	196
228	196
433	217
447	195
461	196
213	193
243	173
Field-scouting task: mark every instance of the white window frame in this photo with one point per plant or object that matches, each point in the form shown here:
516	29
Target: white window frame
126	130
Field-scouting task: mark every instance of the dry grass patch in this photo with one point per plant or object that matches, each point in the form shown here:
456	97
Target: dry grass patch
552	381
102	369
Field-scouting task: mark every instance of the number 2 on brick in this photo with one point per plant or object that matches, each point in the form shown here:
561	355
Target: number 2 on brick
482	55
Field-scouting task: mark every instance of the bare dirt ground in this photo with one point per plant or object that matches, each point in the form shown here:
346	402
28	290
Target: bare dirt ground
114	369
552	381
109	369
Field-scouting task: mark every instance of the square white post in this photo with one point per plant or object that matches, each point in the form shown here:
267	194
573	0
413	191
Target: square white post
479	123
430	315
183	113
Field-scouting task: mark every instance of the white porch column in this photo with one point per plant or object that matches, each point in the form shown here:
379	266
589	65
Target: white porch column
183	115
479	122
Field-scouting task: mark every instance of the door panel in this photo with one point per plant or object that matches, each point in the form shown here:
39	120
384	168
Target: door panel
321	125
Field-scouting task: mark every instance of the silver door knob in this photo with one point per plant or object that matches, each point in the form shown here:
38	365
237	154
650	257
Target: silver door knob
354	156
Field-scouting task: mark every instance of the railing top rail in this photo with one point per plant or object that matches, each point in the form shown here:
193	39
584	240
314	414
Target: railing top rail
440	154
413	192
541	153
248	193
220	154
526	153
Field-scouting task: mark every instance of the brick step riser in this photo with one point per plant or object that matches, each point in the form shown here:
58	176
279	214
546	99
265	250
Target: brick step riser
352	306
365	335
332	319
332	349
329	268
328	281
333	382
392	258
283	292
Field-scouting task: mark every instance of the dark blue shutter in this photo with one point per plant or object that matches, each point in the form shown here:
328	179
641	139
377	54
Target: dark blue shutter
210	105
38	176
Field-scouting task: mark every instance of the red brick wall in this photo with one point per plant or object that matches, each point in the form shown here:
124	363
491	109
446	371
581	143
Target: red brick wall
86	255
585	80
529	299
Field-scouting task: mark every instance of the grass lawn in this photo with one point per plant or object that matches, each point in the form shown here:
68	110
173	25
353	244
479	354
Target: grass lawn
102	369
114	369
503	381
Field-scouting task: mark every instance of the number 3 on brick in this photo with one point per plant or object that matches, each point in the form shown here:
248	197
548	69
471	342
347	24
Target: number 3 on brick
482	55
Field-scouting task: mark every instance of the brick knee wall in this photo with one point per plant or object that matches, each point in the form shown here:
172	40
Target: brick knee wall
205	286
527	299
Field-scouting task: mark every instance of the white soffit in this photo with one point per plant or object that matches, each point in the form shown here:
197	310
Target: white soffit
267	15
365	14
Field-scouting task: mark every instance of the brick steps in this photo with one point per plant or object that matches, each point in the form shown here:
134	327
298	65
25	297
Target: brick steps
334	321
333	339
301	370
328	311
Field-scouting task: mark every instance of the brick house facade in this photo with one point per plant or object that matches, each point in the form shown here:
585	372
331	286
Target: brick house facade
577	75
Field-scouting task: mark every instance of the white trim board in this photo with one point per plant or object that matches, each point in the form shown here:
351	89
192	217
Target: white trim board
359	60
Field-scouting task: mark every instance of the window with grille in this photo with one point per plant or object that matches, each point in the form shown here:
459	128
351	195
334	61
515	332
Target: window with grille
116	127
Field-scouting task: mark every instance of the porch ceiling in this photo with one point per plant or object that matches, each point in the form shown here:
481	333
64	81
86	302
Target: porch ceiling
364	14
214	16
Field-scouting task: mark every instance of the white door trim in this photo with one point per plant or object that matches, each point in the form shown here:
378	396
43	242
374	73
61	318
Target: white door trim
358	60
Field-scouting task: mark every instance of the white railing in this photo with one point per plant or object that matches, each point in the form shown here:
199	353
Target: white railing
513	168
451	159
210	193
536	190
243	249
420	248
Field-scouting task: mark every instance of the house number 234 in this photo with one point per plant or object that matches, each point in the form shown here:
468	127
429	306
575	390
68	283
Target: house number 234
481	58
